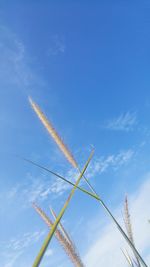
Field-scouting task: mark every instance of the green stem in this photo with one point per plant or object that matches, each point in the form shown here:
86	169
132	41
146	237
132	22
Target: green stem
95	195
117	224
54	226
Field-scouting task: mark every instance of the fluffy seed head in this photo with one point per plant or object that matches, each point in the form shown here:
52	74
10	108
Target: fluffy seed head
53	133
67	246
129	227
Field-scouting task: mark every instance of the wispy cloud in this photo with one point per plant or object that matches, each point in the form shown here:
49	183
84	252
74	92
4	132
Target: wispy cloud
49	252
114	161
15	64
106	247
57	45
125	122
36	189
24	241
14	248
40	188
13	68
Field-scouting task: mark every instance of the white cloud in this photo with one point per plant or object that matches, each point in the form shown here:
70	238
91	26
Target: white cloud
113	161
105	250
49	252
57	45
125	122
13	69
41	188
24	241
14	248
36	189
15	64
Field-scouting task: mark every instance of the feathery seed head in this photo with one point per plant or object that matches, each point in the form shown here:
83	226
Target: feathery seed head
69	248
53	133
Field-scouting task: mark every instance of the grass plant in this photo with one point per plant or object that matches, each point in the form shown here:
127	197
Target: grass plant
93	193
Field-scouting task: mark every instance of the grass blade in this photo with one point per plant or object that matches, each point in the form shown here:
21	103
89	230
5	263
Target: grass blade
61	177
51	233
69	248
123	234
61	227
95	196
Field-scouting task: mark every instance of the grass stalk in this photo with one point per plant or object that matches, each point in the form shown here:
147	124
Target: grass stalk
95	196
48	125
57	221
68	247
60	177
62	228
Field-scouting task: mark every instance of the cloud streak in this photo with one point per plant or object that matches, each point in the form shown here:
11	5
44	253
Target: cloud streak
12	60
13	249
16	71
125	122
36	189
114	161
41	188
57	45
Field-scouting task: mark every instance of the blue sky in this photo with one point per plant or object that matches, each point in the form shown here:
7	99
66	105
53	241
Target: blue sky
87	66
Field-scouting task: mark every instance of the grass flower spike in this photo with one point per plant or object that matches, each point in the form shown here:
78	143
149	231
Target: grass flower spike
53	133
68	247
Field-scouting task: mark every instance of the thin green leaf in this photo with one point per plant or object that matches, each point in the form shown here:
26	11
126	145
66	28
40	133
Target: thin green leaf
95	195
70	249
117	224
51	233
61	227
124	234
72	161
61	177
